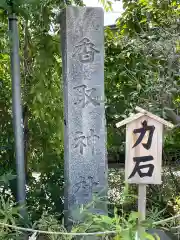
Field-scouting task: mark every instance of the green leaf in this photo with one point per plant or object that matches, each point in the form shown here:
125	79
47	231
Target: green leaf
133	216
150	237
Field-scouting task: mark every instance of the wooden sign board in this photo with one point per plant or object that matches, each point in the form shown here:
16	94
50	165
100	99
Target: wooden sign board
144	140
143	151
143	166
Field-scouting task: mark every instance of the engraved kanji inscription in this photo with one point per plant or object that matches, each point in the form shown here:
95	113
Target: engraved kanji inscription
96	23
137	169
82	141
85	71
91	140
142	132
90	69
85	185
142	168
82	190
85	96
85	51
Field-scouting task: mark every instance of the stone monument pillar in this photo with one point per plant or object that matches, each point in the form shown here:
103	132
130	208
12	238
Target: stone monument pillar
82	41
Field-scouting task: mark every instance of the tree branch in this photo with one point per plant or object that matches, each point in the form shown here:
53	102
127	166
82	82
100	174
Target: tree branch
172	116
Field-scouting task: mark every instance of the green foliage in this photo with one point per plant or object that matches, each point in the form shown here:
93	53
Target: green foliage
9	211
126	228
125	225
162	200
107	5
142	63
46	194
41	71
50	223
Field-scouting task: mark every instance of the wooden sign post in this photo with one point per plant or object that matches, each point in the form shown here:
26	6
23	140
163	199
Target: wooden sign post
144	139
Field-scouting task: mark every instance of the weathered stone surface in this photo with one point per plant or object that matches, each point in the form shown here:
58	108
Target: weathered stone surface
82	37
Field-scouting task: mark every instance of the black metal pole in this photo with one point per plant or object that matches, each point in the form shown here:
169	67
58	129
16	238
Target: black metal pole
17	111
